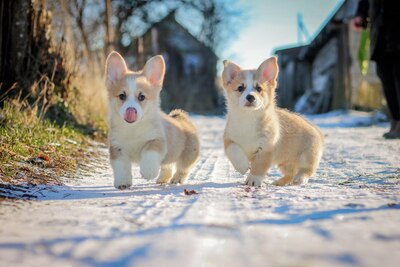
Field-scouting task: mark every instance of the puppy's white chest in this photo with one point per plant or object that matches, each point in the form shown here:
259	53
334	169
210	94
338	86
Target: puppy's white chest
245	134
132	140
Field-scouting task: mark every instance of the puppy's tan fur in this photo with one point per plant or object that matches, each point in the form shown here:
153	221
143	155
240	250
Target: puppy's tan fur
154	140
259	135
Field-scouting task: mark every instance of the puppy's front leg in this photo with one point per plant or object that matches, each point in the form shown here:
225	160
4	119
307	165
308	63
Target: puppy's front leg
122	172
260	164
236	156
121	165
150	160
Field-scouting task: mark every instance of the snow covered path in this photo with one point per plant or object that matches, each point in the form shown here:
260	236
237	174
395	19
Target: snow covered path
348	215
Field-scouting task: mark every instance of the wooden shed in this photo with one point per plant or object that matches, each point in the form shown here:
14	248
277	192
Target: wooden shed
190	81
324	75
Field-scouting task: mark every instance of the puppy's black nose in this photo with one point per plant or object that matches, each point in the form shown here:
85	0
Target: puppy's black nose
250	98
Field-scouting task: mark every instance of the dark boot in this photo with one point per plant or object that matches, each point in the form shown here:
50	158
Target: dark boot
395	133
393	125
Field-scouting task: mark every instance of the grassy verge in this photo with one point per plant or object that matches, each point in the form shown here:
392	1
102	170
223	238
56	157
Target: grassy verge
36	151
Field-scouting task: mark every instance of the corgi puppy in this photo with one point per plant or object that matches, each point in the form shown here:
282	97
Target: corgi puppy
139	132
259	135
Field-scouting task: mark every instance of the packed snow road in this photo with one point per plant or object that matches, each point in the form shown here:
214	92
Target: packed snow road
348	215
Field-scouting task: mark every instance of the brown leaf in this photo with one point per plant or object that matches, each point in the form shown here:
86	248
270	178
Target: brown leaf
43	157
40	159
189	192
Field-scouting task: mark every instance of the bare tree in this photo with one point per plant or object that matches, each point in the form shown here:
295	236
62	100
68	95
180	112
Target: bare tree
217	20
109	40
124	10
104	25
76	10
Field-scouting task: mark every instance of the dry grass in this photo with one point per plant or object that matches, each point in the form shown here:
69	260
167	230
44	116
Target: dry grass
91	106
36	150
33	150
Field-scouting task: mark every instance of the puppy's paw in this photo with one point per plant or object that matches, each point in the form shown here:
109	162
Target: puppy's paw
122	174
238	158
300	181
282	181
123	183
165	175
123	186
150	165
177	181
254	180
179	178
163	180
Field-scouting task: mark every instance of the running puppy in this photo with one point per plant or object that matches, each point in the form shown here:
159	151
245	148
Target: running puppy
259	135
140	132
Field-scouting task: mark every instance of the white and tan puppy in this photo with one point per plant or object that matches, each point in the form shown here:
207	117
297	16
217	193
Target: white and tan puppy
259	135
140	132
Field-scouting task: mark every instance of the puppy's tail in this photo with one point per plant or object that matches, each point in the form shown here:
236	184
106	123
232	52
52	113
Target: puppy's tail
179	114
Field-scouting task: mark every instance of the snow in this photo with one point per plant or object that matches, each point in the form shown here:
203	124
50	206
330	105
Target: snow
348	215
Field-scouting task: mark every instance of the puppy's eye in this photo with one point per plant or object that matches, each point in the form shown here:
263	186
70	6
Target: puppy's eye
240	88
141	97
258	88
122	96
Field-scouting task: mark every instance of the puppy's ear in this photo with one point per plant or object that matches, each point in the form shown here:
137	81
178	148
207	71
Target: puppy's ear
268	70
154	70
231	71
115	68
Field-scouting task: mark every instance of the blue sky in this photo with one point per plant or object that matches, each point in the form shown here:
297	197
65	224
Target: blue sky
272	23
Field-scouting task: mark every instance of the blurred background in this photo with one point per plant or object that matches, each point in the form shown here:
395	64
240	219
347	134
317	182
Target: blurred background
52	52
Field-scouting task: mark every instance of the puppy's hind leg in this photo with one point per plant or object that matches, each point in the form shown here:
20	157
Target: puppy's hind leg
288	172
180	177
302	176
308	165
165	174
187	159
182	170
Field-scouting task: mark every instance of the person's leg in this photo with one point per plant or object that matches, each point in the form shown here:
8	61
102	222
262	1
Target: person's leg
396	76
396	114
386	72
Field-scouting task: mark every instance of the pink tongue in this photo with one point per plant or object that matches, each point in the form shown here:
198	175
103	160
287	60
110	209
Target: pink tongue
130	115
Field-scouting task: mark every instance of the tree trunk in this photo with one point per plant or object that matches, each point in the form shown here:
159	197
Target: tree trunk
109	42
28	62
14	41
